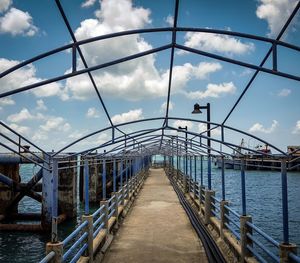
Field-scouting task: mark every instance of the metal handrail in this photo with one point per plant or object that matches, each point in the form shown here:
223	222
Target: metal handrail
294	257
263	234
259	244
74	233
74	246
48	257
232	211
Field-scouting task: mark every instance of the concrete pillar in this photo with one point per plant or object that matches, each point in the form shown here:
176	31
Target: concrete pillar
95	182
58	249
46	219
89	230
284	250
223	212
67	182
244	229
207	205
6	192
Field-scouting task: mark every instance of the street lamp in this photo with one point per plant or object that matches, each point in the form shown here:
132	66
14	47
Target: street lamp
197	110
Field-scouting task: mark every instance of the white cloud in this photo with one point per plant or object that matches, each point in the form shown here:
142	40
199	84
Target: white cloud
213	91
170	20
24	130
4	5
40	136
276	13
75	135
163	106
132	80
284	92
92	113
17	22
183	124
257	127
24	114
26	76
202	127
55	123
131	115
40	105
7	101
296	130
88	3
216	43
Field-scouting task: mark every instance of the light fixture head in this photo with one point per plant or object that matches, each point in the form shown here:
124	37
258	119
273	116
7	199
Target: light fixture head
196	109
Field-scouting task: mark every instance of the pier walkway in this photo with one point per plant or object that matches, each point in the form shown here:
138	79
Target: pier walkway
157	228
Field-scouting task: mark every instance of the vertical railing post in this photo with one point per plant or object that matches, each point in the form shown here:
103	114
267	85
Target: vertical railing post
285	247
208	206
223	178
86	187
116	207
121	174
127	181
195	176
201	170
54	236
104	179
54	245
245	240
114	176
190	175
89	230
209	172
285	209
223	219
243	185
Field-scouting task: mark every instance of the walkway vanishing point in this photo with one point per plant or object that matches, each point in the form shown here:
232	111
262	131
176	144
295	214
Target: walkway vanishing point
157	228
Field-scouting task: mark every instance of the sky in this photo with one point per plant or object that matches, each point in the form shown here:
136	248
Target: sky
56	114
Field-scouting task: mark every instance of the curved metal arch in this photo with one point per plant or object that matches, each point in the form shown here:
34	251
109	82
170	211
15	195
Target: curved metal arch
147	30
149	131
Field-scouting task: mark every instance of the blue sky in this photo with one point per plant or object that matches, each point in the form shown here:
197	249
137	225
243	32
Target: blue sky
61	112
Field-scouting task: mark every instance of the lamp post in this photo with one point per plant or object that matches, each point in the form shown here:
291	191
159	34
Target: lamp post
197	110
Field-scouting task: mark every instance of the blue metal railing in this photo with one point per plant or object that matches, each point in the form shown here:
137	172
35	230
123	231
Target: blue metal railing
48	257
77	240
259	249
294	257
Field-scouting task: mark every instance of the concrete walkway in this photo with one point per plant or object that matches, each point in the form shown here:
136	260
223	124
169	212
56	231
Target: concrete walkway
157	228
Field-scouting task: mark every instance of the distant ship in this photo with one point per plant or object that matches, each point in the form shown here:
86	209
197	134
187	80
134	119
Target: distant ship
261	159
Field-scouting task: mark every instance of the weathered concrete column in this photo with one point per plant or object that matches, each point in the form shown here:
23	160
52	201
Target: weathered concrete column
58	249
6	192
89	230
244	229
223	212
208	206
67	182
95	182
284	250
